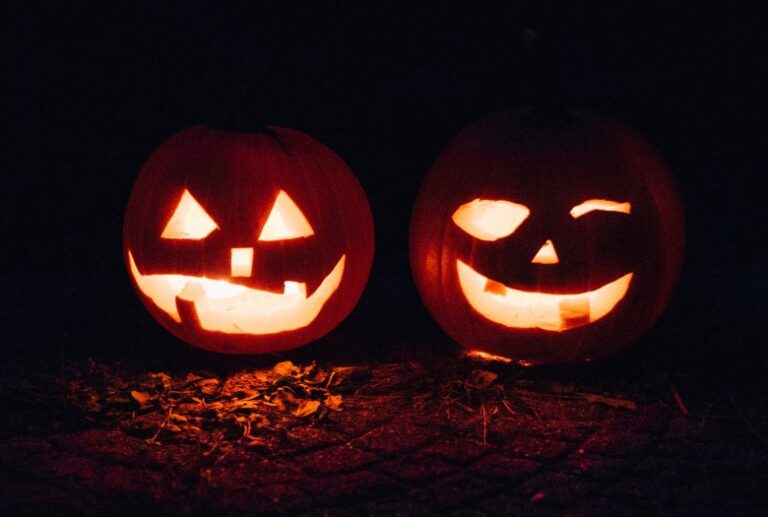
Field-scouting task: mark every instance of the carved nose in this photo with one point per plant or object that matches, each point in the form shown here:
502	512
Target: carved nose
242	261
546	254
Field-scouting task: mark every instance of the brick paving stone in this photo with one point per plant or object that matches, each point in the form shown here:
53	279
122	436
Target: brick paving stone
649	494
559	409
453	491
703	429
245	475
416	468
308	438
458	449
126	480
466	512
505	428
357	417
747	496
339	511
592	465
398	508
266	500
559	429
336	459
508	504
102	445
355	486
64	465
32	457
736	456
395	438
671	468
497	465
610	442
599	505
542	449
329	512
67	497
652	419
556	487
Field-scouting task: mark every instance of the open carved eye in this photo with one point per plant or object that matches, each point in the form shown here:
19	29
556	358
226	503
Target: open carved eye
490	220
285	221
605	205
189	220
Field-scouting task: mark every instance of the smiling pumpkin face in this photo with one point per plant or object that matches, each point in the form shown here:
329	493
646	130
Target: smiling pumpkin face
555	242
245	243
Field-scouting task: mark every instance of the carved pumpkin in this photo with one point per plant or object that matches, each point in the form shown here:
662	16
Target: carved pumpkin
546	239
247	242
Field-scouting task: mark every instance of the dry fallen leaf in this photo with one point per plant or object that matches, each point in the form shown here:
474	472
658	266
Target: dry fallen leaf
333	402
209	386
191	377
141	397
306	407
481	379
216	412
286	369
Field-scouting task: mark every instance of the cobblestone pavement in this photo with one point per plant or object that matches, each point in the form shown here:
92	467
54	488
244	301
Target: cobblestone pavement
398	448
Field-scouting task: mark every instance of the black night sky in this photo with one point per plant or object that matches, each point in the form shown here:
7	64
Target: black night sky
90	90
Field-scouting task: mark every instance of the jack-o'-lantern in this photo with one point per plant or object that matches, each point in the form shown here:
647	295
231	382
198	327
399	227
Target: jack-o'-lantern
547	238
247	242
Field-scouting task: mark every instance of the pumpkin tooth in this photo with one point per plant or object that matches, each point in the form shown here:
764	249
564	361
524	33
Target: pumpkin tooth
574	312
295	288
191	291
494	287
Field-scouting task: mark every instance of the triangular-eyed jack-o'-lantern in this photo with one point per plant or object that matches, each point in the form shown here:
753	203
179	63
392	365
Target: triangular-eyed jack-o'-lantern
547	238
247	242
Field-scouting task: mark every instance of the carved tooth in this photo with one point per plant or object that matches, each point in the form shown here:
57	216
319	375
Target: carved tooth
192	291
494	287
574	312
295	288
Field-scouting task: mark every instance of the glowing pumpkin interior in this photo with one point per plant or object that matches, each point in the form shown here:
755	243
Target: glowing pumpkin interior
490	220
223	305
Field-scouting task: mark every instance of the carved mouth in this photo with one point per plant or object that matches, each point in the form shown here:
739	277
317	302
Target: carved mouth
516	308
236	309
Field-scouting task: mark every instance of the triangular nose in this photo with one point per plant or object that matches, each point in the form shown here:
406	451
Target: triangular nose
546	254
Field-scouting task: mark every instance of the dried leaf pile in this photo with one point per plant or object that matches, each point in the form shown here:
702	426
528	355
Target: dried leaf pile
249	408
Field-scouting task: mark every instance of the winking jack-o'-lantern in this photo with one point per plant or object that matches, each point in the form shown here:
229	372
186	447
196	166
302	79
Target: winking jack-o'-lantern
547	238
247	242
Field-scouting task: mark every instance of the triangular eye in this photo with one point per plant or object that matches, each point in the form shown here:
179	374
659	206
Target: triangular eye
189	220
285	221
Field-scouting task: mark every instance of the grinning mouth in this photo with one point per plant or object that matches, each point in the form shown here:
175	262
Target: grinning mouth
236	309
517	308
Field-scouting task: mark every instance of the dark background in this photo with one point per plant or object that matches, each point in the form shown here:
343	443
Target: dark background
90	90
